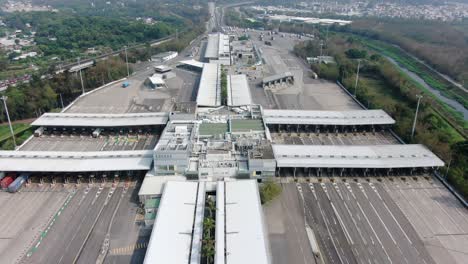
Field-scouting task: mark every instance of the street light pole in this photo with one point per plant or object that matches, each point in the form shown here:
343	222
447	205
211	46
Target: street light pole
357	77
448	167
4	98
61	100
320	58
126	61
416	115
81	77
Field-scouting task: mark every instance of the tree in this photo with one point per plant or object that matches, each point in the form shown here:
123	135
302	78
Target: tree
208	250
356	54
211	207
269	190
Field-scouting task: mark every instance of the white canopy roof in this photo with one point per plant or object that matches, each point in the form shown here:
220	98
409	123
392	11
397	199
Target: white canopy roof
209	90
212	46
101	120
346	156
50	161
238	90
156	79
217	46
277	77
171	237
193	63
246	240
339	118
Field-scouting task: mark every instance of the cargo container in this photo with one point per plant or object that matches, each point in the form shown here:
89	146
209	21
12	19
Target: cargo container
6	181
16	184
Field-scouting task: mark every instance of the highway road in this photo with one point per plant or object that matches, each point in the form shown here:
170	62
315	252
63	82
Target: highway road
93	244
286	229
358	223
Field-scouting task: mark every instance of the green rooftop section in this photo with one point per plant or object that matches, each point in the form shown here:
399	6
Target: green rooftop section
152	203
212	129
150	216
243	125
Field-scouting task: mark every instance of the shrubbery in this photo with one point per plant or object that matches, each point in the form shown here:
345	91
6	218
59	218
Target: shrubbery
269	190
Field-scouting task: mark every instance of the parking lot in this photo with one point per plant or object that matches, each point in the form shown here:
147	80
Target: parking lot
89	143
25	216
369	138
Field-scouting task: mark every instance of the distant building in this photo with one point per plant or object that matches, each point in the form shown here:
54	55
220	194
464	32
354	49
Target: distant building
26	55
162	68
165	56
217	49
155	82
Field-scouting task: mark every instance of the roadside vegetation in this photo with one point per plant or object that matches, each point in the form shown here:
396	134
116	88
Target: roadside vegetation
269	190
31	99
21	131
442	45
224	93
430	77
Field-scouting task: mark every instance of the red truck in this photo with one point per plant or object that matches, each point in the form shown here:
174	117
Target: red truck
6	181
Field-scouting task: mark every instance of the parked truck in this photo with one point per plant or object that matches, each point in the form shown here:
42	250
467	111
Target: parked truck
125	84
38	132
97	132
6	181
18	182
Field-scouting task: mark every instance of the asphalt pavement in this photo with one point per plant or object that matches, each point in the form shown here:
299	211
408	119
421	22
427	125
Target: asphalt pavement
358	223
286	229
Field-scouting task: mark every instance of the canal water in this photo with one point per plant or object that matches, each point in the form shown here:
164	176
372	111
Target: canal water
451	102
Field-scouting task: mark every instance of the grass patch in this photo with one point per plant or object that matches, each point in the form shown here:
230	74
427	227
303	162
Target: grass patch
17	128
241	125
213	129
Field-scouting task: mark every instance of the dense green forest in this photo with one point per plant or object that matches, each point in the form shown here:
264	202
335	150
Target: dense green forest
174	12
383	86
64	35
